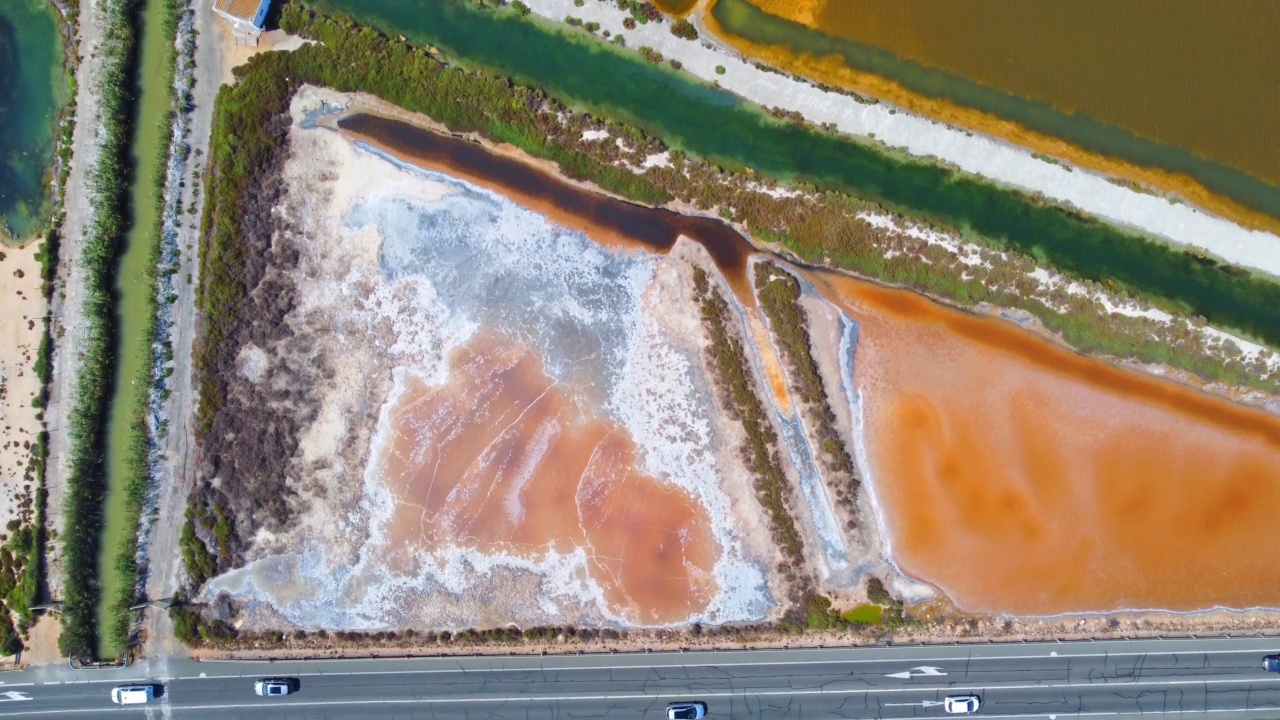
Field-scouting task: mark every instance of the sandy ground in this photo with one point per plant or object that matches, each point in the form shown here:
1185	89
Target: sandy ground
21	310
983	155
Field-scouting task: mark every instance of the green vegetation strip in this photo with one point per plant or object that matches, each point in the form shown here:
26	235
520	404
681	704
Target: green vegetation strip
83	539
728	364
108	187
128	434
604	79
779	295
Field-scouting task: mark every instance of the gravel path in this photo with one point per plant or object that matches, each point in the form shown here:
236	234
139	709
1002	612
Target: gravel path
178	466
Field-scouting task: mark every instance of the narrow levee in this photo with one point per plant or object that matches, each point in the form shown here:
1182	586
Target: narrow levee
1049	79
133	322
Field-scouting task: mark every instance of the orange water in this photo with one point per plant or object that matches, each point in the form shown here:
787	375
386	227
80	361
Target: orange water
1021	478
502	459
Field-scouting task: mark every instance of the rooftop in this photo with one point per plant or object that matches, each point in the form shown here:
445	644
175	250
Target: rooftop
244	10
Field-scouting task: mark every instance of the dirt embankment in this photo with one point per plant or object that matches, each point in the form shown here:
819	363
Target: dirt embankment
67	306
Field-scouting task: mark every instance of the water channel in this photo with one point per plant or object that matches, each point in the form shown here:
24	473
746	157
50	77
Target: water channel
722	127
1182	86
133	291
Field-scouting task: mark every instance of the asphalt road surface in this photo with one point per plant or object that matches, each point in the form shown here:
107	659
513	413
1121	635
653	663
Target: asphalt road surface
1216	678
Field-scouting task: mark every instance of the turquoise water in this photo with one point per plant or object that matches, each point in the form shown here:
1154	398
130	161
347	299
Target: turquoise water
718	125
33	88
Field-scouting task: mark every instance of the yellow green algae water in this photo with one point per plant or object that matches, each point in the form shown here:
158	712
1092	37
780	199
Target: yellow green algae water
33	88
133	308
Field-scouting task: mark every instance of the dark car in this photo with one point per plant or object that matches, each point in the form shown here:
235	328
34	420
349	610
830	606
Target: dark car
686	711
1271	663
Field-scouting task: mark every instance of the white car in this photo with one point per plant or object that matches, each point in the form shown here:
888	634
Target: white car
962	704
132	694
686	711
273	687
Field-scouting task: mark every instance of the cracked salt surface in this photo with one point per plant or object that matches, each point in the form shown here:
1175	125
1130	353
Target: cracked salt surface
474	260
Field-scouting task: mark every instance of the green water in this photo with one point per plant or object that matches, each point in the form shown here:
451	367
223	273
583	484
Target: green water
33	88
741	18
133	310
723	128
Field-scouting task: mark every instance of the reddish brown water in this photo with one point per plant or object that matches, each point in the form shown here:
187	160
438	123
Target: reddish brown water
1015	475
501	459
1024	479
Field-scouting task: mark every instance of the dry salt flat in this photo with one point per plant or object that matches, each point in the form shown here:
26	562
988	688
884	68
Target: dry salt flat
995	160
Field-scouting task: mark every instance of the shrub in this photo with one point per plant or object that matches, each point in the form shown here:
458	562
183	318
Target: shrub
720	70
684	29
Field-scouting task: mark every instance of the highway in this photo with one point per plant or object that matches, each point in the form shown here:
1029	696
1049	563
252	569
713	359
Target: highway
1214	678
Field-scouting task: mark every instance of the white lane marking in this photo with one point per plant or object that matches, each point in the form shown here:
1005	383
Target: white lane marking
850	661
922	671
250	667
13	695
926	703
527	699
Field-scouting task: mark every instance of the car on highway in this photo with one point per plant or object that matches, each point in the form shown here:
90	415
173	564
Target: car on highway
1271	663
686	711
133	694
275	687
962	704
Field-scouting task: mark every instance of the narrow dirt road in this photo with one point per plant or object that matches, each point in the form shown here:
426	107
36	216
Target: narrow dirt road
179	457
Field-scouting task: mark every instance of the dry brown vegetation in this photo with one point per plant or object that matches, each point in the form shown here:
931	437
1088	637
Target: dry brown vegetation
779	294
738	395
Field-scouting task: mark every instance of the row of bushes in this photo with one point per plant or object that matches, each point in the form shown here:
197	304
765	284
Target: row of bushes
137	480
737	391
108	187
779	294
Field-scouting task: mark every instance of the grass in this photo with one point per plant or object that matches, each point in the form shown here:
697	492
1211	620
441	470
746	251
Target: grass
108	185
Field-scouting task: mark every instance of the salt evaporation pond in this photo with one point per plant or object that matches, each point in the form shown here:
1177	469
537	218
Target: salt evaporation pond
545	429
1014	475
1024	479
547	413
